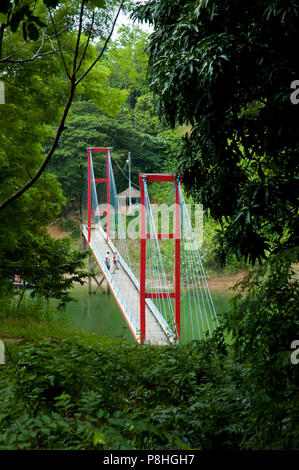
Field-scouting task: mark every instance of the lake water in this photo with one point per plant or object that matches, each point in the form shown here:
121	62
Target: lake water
99	313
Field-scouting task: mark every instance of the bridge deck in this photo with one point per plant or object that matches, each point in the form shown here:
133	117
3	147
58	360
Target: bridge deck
125	288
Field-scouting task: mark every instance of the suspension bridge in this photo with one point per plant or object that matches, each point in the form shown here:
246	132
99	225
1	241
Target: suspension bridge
160	285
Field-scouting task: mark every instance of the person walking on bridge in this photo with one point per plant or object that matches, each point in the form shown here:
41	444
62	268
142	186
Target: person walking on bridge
107	261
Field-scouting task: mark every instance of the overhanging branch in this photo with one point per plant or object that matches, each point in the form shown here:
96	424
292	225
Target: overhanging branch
61	127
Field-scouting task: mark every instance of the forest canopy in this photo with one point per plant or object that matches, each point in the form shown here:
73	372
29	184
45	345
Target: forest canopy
226	68
47	61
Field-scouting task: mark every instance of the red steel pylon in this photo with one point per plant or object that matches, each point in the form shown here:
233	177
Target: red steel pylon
143	179
107	150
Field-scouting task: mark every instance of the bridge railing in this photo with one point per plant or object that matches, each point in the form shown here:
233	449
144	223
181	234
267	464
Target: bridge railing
161	320
113	285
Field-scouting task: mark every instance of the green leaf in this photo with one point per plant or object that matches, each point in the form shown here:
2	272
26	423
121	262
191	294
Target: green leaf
33	32
38	21
99	438
97	3
15	21
51	3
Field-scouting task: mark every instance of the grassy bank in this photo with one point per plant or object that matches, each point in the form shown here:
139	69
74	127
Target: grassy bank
61	388
35	320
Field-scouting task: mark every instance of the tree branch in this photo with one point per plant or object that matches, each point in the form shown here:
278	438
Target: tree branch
104	46
59	46
86	46
29	59
36	55
78	37
61	127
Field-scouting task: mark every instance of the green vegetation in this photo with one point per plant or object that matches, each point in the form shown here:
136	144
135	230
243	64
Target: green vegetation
63	394
71	68
226	69
135	126
94	394
220	73
88	127
67	406
36	73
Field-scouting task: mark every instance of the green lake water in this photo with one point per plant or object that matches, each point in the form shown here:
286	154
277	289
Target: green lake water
99	313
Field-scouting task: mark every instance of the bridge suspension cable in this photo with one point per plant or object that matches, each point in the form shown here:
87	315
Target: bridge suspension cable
169	298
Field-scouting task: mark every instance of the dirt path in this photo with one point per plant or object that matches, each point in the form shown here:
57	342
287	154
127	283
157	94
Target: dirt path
225	281
55	231
11	340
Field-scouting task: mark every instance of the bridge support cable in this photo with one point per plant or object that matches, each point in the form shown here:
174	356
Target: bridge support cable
106	210
94	213
156	275
198	300
123	283
151	263
171	301
119	219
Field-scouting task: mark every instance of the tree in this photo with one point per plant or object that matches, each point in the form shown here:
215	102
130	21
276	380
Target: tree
34	98
226	68
30	15
73	69
135	127
13	13
89	127
36	91
50	267
128	60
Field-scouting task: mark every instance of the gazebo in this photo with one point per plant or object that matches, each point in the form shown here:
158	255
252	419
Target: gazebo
124	200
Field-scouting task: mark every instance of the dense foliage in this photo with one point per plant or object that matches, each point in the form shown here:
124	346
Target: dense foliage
49	267
74	396
28	16
133	127
126	132
36	90
223	70
226	68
